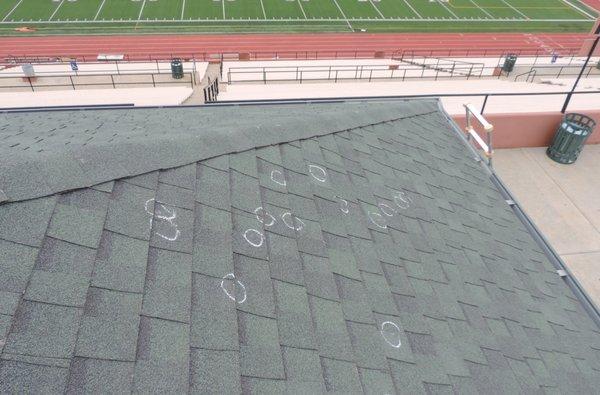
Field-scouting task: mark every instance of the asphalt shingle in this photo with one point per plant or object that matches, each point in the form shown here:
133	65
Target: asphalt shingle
258	250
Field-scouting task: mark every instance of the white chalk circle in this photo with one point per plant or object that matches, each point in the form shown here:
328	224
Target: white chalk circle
344	207
391	334
254	237
147	207
386	209
288	220
402	200
278	178
318	173
237	285
377	219
264	217
170	218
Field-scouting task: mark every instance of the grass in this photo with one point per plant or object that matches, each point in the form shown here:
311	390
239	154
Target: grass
127	16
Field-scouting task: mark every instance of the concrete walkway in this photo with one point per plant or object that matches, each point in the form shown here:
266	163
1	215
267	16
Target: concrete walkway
563	201
454	105
171	96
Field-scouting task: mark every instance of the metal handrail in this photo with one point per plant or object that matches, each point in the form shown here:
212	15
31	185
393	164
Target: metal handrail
528	73
339	72
298	55
484	95
317	100
71	83
486	146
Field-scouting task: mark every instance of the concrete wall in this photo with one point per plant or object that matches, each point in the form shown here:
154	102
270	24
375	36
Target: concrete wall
517	130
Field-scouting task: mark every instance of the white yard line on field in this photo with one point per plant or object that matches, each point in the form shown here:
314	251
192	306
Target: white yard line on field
262	5
449	10
302	9
376	9
99	9
141	10
411	7
56	10
579	9
343	14
477	5
514	8
11	11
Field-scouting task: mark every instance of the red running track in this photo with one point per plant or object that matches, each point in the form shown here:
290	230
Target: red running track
289	45
595	4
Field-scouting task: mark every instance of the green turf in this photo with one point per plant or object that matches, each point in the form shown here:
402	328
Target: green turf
358	9
244	9
34	10
395	9
6	6
203	9
120	9
210	16
169	9
321	9
78	10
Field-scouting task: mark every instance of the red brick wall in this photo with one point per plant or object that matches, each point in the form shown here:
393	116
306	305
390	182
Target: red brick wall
516	130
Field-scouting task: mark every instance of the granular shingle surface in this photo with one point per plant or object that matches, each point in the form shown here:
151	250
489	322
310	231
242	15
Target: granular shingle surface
345	248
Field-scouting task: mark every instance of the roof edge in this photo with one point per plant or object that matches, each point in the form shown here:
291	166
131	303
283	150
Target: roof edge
580	293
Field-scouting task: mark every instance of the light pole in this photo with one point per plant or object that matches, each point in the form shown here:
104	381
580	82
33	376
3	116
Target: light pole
568	99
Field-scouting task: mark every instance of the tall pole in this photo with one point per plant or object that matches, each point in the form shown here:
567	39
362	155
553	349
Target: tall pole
568	99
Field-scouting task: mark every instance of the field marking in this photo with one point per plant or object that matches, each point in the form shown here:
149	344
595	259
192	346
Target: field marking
268	21
141	10
514	8
415	11
302	9
343	14
262	5
579	9
182	9
271	21
56	10
11	11
223	4
377	9
449	10
477	5
99	9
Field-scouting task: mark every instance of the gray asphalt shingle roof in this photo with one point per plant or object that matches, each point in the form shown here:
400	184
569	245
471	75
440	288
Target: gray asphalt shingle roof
341	248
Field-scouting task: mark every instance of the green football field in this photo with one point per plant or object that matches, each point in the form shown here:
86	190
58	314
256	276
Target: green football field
105	16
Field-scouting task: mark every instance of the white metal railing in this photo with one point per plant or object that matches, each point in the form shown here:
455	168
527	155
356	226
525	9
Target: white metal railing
485	146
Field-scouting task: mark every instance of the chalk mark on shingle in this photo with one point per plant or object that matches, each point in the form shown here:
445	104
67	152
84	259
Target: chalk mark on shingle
278	178
262	214
291	224
344	207
386	209
170	219
254	232
379	222
391	330
320	178
402	200
229	277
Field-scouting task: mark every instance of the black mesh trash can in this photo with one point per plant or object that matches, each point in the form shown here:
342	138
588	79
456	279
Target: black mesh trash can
570	138
176	69
509	63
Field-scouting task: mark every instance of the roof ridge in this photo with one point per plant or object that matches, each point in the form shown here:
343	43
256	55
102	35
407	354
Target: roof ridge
37	164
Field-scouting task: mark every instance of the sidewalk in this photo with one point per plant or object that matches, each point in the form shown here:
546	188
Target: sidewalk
563	201
136	96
